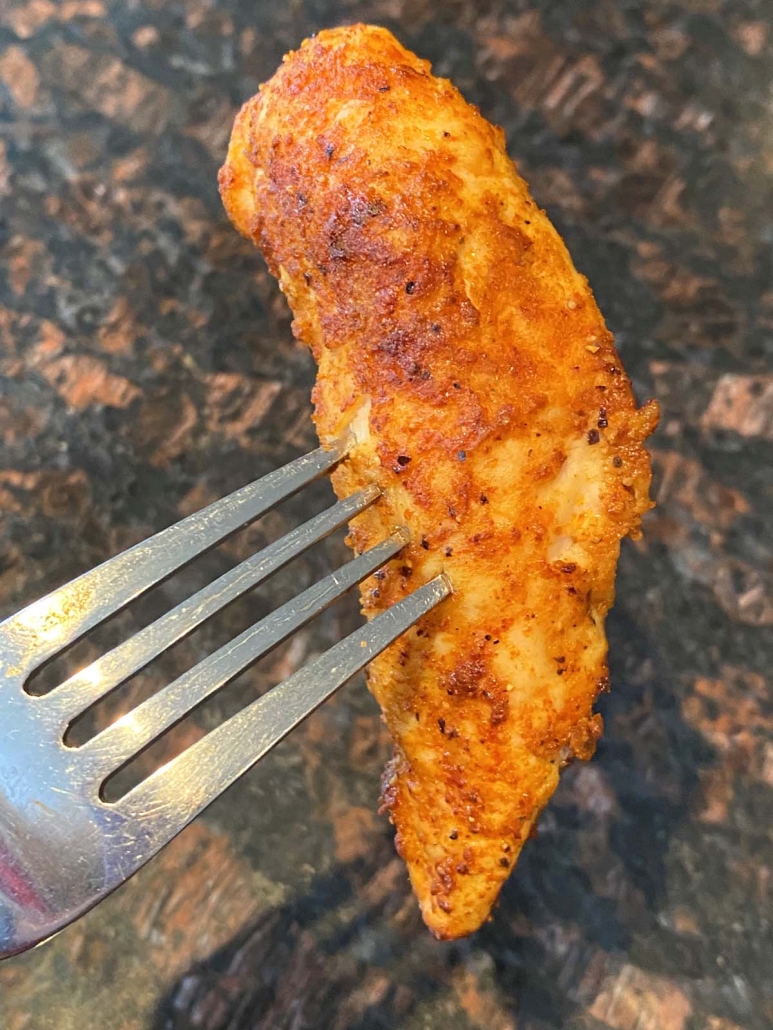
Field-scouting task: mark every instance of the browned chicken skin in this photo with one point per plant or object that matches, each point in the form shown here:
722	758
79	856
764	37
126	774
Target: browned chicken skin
456	340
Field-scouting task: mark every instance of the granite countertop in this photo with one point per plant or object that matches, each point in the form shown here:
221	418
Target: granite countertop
147	367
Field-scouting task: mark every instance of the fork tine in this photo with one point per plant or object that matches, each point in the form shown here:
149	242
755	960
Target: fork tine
182	788
45	627
116	744
96	680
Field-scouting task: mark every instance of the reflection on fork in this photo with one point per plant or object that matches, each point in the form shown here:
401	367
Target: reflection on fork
63	847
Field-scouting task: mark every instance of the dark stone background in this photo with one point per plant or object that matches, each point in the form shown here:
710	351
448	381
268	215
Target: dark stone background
147	367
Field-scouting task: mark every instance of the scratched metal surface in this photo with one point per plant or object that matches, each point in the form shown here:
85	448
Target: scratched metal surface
147	367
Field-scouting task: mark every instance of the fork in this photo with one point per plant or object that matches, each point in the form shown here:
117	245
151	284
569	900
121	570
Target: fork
63	846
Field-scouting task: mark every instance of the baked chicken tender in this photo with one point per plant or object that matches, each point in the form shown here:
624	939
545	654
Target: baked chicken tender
458	344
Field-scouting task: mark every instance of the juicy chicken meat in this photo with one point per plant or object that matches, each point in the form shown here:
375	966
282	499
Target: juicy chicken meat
458	343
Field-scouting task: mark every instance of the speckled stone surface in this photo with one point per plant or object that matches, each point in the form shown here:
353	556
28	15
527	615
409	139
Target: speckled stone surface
147	367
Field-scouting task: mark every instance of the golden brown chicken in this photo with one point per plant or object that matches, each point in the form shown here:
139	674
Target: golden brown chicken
456	340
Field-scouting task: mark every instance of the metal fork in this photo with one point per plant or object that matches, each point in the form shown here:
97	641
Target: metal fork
63	847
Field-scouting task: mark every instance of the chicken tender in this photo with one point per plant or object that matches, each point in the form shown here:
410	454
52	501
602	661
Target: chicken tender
458	344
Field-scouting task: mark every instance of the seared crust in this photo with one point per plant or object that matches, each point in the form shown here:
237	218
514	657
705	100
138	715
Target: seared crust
456	339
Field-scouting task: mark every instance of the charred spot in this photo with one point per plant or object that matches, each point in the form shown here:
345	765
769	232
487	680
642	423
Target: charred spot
396	343
468	313
355	212
488	636
404	349
442	724
329	150
384	89
302	199
603	421
462	868
571	590
617	461
453	835
457	386
410	287
593	436
360	210
417	372
448	552
402	460
504	862
444	905
466	677
483	499
613	370
341	226
569	568
446	135
307	278
436	327
381	574
406	571
443	870
416	714
500	710
424	543
392	344
461	455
